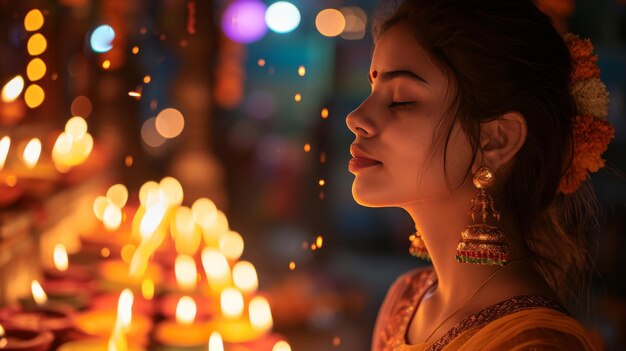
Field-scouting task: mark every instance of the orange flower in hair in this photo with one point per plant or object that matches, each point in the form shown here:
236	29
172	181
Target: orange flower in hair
591	131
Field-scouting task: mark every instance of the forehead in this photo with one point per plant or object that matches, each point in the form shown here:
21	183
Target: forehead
397	49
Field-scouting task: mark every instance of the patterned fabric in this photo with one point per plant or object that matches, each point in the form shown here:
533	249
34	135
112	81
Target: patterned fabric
405	294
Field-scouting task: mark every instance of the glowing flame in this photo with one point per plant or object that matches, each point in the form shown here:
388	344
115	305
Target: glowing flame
245	277
12	89
125	309
147	289
32	153
100	204
5	144
281	346
118	194
76	127
3	341
185	233
172	189
204	213
319	241
231	244
60	257
215	342
38	294
186	272
215	266
260	314
112	217
185	310
145	189
231	302
151	220
301	71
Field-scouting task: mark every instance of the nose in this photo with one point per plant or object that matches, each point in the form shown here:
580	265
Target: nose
360	122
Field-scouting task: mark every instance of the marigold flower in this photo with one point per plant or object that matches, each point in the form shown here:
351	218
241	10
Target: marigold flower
591	97
591	137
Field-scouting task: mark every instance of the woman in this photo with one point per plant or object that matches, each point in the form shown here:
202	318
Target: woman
473	109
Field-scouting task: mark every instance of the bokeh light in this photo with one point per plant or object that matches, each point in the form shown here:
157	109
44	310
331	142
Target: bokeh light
81	106
36	69
12	89
76	127
244	21
102	38
32	151
170	123
5	144
33	20
330	22
149	134
37	44
282	17
356	22
34	96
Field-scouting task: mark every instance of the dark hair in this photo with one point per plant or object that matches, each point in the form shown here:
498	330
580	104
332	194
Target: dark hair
503	56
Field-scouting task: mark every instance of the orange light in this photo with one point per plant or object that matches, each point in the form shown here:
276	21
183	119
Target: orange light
33	20
231	302
186	310
321	182
281	346
125	309
292	265
260	314
135	50
324	113
5	144
245	277
298	97
36	69
106	64
301	71
38	294
319	241
261	62
330	22
60	257
34	96
307	147
215	342
147	289
32	151
118	194
186	272
147	79
37	44
12	89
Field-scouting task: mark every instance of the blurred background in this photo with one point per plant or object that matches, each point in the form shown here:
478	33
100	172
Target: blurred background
244	103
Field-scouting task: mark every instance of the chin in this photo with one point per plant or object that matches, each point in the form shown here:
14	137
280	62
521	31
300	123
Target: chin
364	196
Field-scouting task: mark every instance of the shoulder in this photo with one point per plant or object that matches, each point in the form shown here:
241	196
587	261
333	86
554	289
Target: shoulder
398	302
537	329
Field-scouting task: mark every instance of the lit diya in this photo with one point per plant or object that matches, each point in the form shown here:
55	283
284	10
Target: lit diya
39	314
185	332
22	338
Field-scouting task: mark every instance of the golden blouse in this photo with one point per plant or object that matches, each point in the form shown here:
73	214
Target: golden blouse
521	323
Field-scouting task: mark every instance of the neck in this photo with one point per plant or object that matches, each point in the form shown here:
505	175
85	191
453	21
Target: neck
440	223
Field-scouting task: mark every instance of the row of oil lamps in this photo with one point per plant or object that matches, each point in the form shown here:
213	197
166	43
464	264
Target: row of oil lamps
135	284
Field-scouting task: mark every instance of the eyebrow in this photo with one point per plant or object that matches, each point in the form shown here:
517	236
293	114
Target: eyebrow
389	75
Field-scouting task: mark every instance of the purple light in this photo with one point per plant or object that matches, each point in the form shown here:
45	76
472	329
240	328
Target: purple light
244	21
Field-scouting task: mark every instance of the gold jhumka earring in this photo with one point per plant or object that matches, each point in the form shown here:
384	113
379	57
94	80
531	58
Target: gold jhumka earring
417	248
481	243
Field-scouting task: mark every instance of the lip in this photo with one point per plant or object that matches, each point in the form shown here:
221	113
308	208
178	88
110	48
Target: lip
360	159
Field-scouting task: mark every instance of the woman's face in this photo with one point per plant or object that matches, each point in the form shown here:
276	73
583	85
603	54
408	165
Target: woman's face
401	128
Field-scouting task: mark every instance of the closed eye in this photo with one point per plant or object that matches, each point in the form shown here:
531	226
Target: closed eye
401	104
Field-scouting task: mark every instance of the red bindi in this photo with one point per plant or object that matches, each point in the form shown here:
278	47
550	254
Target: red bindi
374	74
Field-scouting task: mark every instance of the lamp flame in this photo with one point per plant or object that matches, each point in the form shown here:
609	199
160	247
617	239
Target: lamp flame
245	277
215	342
185	310
38	294
186	272
151	220
281	346
32	152
125	309
5	144
60	257
260	314
147	289
231	302
112	217
216	267
12	89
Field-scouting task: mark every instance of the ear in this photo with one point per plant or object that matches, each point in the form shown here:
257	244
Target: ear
502	138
